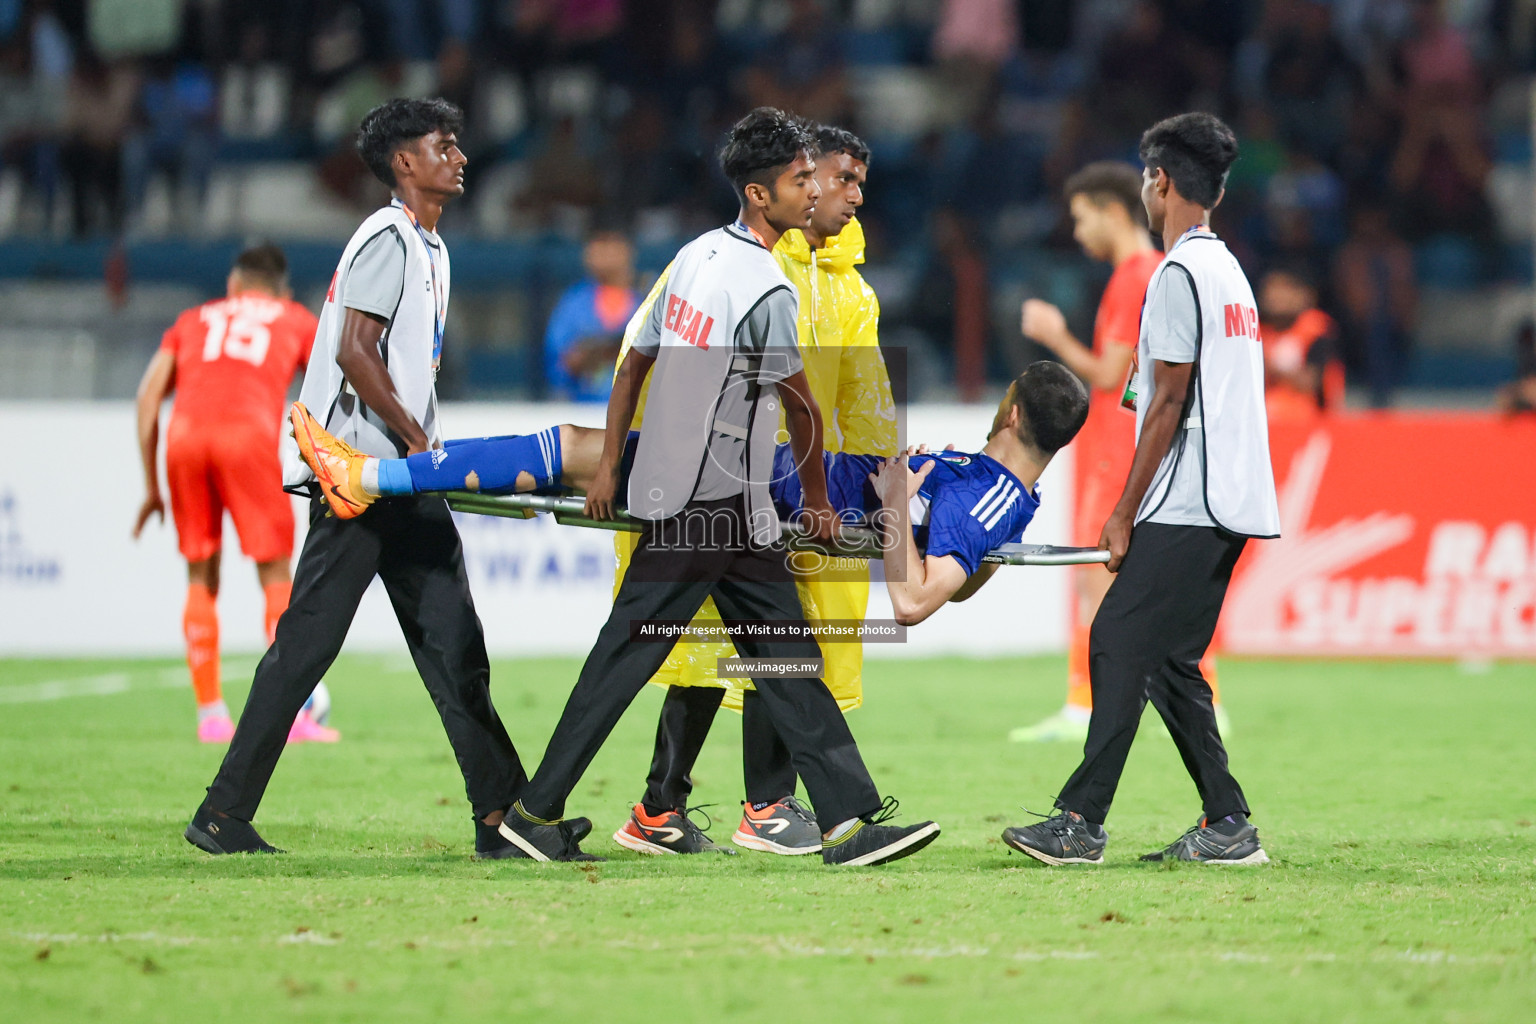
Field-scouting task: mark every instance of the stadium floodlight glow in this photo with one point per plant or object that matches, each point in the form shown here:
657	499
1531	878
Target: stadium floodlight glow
856	541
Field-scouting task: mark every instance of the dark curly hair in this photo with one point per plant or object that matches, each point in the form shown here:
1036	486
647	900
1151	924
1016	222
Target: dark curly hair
1196	151
828	138
394	124
760	146
1052	404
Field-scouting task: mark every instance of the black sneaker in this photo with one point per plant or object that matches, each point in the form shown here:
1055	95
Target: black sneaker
575	830
536	839
1232	840
490	844
1066	838
217	834
668	832
871	841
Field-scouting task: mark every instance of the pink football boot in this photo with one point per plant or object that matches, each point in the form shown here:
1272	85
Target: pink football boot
215	729
307	730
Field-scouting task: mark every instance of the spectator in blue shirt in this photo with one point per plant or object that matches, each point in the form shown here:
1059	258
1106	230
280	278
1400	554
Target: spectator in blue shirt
581	343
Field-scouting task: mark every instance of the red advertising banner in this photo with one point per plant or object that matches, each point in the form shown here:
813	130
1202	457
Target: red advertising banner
1402	536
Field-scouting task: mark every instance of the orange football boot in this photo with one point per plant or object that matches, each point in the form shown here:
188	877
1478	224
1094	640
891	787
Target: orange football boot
337	465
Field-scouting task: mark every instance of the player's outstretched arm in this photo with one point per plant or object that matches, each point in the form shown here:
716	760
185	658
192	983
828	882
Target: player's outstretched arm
159	380
975	581
918	585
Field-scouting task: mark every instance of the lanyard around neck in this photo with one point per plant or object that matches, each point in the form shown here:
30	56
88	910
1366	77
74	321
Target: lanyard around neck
439	303
750	231
1198	229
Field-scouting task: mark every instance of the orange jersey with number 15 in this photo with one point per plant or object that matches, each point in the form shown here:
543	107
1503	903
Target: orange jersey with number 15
235	358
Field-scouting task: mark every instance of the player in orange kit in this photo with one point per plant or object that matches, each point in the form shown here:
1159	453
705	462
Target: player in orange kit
229	362
1110	223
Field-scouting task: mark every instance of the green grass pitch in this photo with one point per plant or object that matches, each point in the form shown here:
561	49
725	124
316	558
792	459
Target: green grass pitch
1395	799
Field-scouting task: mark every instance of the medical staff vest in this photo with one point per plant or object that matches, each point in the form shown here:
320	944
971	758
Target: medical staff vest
716	281
1229	388
410	345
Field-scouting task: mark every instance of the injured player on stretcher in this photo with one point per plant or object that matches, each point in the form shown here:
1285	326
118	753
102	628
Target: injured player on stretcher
938	513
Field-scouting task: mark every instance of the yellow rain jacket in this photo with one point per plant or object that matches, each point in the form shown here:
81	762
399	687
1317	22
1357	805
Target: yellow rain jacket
839	343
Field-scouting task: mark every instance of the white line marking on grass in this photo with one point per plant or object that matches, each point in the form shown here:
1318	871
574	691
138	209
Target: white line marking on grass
934	952
1056	954
59	689
155	937
1425	958
1435	957
109	684
306	938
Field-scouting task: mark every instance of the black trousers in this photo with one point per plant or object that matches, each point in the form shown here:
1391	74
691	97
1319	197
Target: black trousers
686	715
1148	637
679	562
413	546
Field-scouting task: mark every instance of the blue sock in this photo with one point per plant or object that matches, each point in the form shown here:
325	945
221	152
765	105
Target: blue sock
394	477
490	465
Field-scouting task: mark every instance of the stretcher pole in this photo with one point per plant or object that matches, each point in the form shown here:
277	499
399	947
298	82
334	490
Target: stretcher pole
856	541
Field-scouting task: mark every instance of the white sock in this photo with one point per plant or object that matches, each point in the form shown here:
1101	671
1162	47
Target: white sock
371	476
842	830
218	709
1073	713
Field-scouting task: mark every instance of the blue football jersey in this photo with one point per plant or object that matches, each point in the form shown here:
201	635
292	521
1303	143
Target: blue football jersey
968	505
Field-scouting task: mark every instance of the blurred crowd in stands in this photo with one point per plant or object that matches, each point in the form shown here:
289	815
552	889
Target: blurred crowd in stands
1385	143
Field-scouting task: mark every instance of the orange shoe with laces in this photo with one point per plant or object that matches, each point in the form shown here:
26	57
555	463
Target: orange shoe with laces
667	832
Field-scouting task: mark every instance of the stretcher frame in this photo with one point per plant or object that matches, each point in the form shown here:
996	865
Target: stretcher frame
856	541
